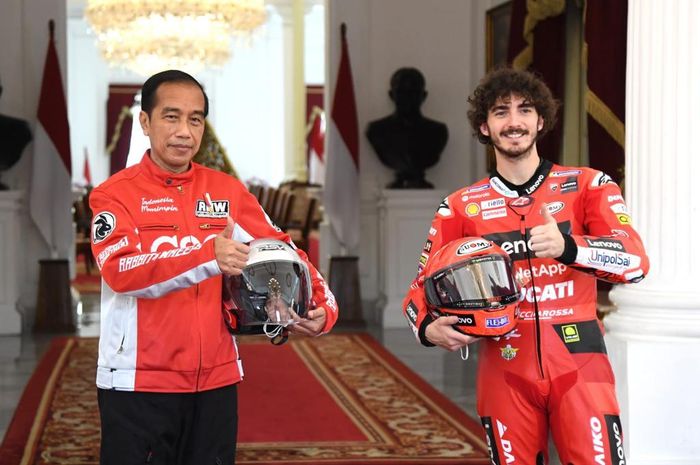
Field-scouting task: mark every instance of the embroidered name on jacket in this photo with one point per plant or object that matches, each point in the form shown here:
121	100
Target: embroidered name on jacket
163	204
217	209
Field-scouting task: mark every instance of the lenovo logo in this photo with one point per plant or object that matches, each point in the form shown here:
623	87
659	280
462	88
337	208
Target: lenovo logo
535	185
609	244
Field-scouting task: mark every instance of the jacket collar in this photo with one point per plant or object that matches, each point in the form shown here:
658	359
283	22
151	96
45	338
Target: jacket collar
162	176
529	187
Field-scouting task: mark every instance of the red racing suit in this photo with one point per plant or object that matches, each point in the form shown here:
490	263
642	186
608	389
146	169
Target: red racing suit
162	328
552	370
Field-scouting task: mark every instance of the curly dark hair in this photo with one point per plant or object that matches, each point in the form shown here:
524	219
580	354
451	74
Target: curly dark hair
501	83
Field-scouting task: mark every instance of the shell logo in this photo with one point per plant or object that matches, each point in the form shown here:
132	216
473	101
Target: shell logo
472	209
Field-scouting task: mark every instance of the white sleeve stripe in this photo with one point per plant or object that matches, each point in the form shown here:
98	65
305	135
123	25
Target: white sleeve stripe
184	280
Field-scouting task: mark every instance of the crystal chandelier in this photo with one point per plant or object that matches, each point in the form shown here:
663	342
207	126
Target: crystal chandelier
147	36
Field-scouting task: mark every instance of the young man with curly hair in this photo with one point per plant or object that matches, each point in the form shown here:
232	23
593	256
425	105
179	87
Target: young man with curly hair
564	228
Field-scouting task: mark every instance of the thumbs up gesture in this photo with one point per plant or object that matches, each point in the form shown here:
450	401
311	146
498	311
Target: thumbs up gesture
231	256
546	239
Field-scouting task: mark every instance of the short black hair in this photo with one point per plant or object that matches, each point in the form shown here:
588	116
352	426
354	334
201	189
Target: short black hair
500	84
148	91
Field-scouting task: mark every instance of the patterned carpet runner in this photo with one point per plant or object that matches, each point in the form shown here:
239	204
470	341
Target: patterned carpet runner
340	399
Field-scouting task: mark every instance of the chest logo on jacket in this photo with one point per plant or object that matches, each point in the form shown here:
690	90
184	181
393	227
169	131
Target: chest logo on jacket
217	209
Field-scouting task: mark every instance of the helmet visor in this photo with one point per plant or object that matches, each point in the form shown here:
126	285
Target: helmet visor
266	291
482	282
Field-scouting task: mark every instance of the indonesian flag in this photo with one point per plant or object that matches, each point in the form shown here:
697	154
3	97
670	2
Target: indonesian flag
317	166
50	199
341	194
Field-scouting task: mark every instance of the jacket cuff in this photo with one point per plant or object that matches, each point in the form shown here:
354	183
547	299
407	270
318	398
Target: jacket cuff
570	250
421	331
331	319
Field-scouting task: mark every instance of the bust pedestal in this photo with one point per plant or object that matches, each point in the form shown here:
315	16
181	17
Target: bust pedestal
10	318
404	219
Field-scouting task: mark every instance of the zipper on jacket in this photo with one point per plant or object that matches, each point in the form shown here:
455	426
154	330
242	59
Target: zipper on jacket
211	226
538	342
199	366
121	345
150	227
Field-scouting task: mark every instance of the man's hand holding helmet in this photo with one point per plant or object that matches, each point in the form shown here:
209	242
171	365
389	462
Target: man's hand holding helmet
441	332
278	310
470	289
312	325
231	256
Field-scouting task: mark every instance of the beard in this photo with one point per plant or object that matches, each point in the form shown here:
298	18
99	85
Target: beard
514	152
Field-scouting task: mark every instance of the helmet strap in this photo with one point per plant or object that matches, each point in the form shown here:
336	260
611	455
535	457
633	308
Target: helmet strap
281	337
464	352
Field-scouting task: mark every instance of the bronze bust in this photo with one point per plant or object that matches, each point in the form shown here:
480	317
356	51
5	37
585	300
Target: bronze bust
406	141
15	135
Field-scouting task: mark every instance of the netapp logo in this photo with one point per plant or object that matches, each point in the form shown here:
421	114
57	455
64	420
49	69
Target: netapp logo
609	244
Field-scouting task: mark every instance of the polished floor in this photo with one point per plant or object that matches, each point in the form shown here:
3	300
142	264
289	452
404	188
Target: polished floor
446	371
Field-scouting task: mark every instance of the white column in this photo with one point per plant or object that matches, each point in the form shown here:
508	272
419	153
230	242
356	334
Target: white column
404	221
293	13
10	207
654	336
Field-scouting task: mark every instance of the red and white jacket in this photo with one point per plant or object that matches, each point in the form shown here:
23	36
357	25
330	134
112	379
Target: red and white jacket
162	328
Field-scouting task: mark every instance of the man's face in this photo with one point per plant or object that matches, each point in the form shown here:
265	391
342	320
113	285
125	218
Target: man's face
512	125
176	125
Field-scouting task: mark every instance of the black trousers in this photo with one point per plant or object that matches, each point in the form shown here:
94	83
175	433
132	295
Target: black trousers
169	429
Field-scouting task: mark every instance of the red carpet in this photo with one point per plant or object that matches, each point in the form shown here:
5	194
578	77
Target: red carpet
335	400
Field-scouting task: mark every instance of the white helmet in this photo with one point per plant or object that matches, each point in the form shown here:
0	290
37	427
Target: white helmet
274	280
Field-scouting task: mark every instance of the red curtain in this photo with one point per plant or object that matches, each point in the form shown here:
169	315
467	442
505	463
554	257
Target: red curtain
606	36
120	100
548	54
